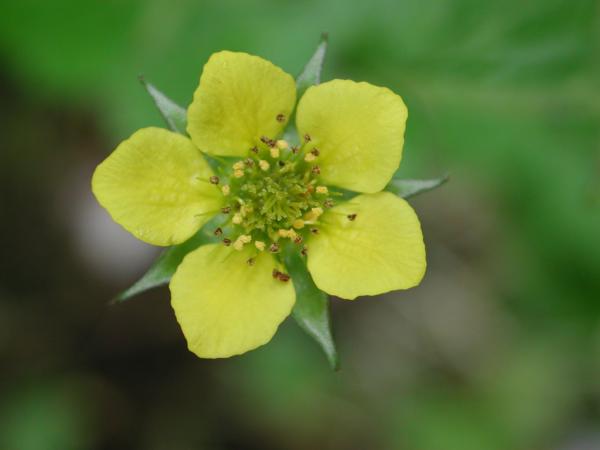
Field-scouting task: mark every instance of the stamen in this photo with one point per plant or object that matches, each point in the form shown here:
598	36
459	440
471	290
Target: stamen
275	152
304	251
260	245
267	141
309	157
249	162
238	173
226	209
280	276
283	277
237	218
227	242
214	179
274	248
280	118
254	149
298	224
315	151
351	217
218	232
295	149
251	261
264	165
328	203
314	230
238	165
298	239
316	170
225	189
307	137
322	190
282	144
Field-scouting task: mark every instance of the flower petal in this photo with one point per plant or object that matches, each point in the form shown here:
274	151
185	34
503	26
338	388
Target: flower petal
380	250
358	129
226	307
155	184
239	99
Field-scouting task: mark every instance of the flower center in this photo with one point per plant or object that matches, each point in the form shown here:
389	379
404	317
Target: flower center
272	195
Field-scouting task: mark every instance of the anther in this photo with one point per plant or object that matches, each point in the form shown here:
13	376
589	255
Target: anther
316	170
260	245
238	165
274	248
226	209
280	118
249	162
309	157
254	149
295	149
282	144
322	190
283	277
225	189
307	137
214	179
275	152
267	141
238	173
227	242
251	261
276	273
328	203
315	151
218	232
351	217
298	223
237	218
298	239
314	230
304	251
264	165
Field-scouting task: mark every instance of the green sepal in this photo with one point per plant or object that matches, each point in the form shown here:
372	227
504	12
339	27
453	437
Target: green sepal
311	310
410	188
175	116
163	268
310	76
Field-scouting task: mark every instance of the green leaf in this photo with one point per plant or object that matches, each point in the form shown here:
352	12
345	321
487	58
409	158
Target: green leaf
311	310
165	265
175	116
410	188
310	76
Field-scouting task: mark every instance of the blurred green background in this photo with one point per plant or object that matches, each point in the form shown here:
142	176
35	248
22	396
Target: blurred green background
498	349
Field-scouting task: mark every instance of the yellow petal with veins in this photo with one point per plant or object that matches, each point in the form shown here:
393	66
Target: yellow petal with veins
367	246
240	99
226	306
358	129
156	185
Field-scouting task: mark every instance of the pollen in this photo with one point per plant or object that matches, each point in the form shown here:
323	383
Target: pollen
298	224
264	165
274	152
238	173
237	218
238	165
322	190
225	189
260	245
314	213
282	144
309	157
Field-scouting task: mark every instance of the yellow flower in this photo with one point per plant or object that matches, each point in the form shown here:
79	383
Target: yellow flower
229	299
